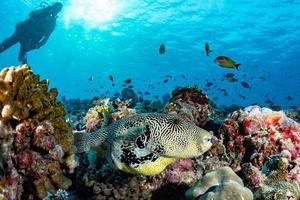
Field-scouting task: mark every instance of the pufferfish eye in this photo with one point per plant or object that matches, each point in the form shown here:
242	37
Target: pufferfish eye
207	139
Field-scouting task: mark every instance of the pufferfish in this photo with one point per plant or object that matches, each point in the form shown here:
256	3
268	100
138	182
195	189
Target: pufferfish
147	143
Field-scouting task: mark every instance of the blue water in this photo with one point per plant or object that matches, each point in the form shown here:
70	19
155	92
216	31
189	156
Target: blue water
97	38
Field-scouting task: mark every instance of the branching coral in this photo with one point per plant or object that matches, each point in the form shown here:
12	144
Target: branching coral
34	136
226	184
191	104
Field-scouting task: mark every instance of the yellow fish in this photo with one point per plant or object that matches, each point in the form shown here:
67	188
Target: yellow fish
226	62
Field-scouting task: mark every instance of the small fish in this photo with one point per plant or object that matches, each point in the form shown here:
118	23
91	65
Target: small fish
147	93
156	96
226	62
101	87
207	49
111	78
162	49
124	85
276	107
113	84
268	101
165	81
245	84
229	75
242	96
127	81
91	78
168	76
262	78
140	93
295	108
244	75
289	98
183	76
208	84
232	79
130	86
116	94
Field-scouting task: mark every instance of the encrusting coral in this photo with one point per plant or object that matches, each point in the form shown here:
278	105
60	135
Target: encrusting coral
36	141
219	184
276	181
191	104
254	133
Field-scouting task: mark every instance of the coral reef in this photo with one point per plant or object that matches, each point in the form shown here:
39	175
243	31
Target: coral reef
278	180
129	94
191	104
223	182
98	116
36	141
254	133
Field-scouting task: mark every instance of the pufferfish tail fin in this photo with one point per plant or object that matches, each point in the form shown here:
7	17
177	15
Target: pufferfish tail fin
81	141
84	141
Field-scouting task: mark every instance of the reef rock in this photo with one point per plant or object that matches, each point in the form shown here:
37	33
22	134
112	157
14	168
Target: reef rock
36	142
191	104
220	184
255	133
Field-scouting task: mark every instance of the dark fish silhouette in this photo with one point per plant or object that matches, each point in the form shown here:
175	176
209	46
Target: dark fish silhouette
268	101
140	93
101	87
111	78
242	96
127	81
124	85
130	86
113	84
208	84
245	84
91	78
147	93
183	76
162	49
244	75
229	75
289	98
232	79
165	81
207	49
262	78
168	76
276	107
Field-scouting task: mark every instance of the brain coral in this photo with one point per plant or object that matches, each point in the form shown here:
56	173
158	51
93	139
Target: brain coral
220	184
36	142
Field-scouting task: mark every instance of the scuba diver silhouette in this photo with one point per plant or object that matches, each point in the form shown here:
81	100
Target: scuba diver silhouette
34	32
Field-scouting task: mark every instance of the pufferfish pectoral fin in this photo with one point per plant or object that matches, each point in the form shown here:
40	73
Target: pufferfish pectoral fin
139	135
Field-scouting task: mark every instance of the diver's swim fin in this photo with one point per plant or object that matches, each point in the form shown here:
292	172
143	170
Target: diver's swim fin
7	43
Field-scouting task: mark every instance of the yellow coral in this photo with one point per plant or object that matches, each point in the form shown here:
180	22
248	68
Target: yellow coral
24	96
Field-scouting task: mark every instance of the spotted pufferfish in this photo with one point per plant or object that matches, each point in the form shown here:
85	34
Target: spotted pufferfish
147	143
